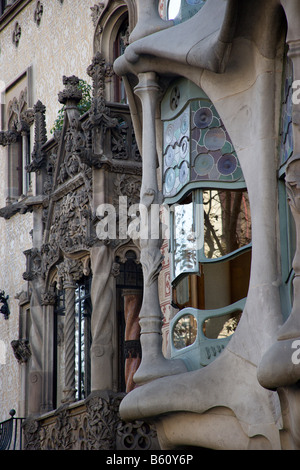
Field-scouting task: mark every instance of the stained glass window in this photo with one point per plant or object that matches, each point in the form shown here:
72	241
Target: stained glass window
197	147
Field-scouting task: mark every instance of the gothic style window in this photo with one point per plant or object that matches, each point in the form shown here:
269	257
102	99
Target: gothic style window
15	135
83	311
18	151
210	223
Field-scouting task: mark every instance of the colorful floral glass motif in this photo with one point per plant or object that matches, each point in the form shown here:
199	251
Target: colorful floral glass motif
176	153
286	147
212	153
197	147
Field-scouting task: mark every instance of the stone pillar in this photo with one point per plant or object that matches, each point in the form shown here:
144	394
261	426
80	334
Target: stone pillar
48	302
69	330
36	287
132	307
102	323
153	363
69	272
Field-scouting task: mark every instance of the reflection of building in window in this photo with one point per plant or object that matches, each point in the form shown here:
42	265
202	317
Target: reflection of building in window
83	311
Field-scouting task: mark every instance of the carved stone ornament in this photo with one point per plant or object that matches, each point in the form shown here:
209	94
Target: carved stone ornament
33	264
21	349
38	13
16	35
38	155
136	436
96	427
97	11
103	419
71	91
8	137
49	298
68	272
19	119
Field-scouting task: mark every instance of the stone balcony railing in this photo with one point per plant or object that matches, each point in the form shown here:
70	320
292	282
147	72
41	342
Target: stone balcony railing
92	424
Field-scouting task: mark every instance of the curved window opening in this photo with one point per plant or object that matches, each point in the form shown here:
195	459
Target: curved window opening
210	222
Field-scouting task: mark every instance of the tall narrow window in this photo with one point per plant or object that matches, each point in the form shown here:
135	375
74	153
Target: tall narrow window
83	311
17	139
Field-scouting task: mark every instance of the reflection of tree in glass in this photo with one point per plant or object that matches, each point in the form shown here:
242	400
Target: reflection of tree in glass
185	249
185	332
230	326
227	222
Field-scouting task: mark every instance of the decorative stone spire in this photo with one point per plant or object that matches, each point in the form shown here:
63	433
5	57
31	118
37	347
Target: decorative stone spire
71	95
38	156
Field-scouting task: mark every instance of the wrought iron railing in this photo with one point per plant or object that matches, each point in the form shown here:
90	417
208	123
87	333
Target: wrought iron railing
11	433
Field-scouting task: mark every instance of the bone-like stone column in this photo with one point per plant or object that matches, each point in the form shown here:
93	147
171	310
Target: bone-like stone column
153	363
149	20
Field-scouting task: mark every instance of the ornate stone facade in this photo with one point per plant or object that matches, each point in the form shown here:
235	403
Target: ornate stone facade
93	425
